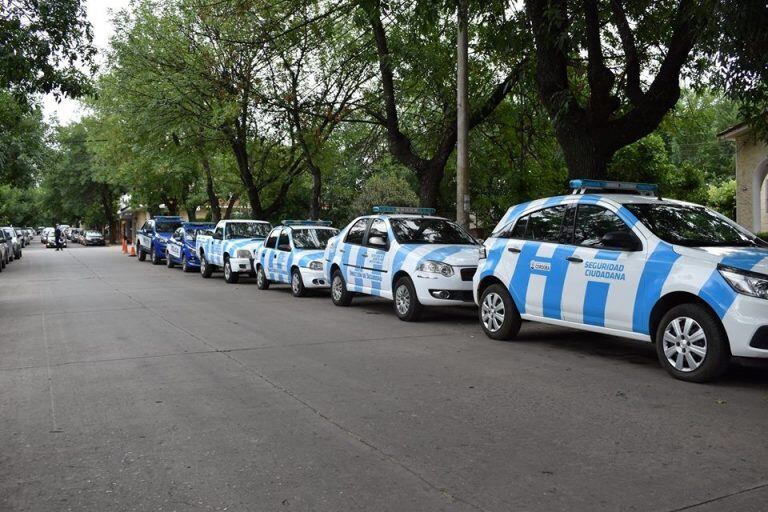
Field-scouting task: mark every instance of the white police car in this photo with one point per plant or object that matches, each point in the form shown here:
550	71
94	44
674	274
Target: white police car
293	254
404	254
632	265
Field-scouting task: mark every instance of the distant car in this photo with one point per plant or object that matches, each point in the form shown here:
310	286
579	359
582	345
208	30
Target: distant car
293	254
15	242
91	238
153	236
73	235
44	234
182	246
50	238
5	251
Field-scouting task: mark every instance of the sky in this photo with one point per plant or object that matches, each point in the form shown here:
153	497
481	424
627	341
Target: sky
98	12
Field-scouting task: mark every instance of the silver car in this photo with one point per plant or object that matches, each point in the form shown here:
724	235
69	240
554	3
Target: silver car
15	243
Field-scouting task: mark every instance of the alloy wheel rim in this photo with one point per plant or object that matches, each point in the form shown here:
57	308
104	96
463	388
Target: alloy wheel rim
684	344
492	312
295	282
260	278
227	270
337	291
402	299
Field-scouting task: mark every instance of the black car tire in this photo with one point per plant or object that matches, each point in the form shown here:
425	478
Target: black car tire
406	302
154	257
262	283
339	293
230	276
717	353
206	269
168	262
496	301
141	255
297	284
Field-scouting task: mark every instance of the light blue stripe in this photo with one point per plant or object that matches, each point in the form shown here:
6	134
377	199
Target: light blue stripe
518	285
553	288
595	300
655	274
607	255
717	292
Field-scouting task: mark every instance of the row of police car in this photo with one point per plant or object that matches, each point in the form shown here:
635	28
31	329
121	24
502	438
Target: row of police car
611	257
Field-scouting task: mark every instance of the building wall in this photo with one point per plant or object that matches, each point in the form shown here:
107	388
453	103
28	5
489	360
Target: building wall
750	153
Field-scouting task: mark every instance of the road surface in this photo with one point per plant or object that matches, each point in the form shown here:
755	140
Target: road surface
126	386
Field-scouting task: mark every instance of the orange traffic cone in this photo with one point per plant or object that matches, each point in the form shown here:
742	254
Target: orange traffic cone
133	252
125	247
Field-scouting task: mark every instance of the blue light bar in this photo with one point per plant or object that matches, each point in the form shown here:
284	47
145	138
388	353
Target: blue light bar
621	186
198	225
408	210
167	217
296	222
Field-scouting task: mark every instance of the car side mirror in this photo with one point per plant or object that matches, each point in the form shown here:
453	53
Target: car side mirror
284	247
377	241
621	240
217	236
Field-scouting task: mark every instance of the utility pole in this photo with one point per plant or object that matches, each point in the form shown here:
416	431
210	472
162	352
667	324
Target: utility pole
462	118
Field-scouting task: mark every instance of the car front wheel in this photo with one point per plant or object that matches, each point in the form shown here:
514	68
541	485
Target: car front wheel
407	305
184	263
691	344
153	256
262	283
339	293
141	255
230	276
297	284
168	262
206	270
499	316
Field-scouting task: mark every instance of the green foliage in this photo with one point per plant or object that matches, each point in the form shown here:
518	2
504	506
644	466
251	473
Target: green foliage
41	46
722	198
387	188
23	150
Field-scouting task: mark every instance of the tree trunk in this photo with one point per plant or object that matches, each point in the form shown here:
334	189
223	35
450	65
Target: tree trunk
213	199
230	205
430	176
241	156
192	214
314	204
585	153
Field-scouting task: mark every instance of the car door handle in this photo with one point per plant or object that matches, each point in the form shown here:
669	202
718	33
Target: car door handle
342	250
513	249
574	259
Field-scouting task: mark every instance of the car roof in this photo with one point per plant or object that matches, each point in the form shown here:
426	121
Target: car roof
243	221
402	216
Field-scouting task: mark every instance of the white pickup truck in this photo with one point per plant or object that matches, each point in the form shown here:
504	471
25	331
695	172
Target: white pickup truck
231	246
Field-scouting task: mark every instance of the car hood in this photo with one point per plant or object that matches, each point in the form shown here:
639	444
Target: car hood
306	256
164	236
252	244
454	255
745	258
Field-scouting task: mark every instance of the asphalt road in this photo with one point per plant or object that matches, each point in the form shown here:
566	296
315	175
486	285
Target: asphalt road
125	386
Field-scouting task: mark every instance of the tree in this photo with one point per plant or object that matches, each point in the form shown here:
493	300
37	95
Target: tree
41	46
413	55
599	104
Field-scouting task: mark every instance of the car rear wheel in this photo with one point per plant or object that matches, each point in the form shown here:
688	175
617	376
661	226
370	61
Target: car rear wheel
168	262
407	305
206	270
140	253
262	283
297	284
339	293
230	276
691	344
499	316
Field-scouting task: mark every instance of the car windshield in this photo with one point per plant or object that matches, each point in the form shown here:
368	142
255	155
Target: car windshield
248	229
312	238
422	230
191	233
167	226
691	226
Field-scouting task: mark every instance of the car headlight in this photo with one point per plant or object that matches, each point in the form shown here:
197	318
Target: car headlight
315	265
482	253
435	267
745	282
243	253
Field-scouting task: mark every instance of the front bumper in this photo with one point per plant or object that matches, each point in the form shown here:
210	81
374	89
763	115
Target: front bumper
314	278
746	324
438	290
241	265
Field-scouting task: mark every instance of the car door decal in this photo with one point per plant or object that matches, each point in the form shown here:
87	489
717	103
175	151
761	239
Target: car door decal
596	292
652	279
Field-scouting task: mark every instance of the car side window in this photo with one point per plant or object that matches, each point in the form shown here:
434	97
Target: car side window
378	233
594	222
219	231
356	232
271	242
179	234
542	225
283	244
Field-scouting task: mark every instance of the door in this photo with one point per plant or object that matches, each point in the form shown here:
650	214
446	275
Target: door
144	235
217	246
352	258
175	245
268	252
604	270
283	257
376	280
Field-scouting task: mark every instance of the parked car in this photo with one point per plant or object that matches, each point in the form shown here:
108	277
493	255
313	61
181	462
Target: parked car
406	255
293	254
44	233
182	246
153	235
632	265
50	238
73	235
15	241
91	238
5	251
232	247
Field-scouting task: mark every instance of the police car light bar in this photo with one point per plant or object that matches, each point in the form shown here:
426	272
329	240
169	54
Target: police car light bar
296	222
582	186
412	210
